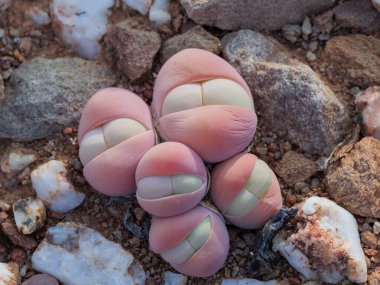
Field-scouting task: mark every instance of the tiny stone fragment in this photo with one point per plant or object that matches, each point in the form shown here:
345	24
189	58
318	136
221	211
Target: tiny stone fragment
77	255
29	214
52	187
307	28
369	239
291	32
368	103
142	6
9	274
159	13
376	228
38	16
170	278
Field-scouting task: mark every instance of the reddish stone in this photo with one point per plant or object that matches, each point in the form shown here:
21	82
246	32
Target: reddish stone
18	256
10	230
41	279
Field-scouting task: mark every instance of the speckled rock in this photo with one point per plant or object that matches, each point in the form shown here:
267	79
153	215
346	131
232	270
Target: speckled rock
295	167
358	14
41	279
29	215
368	103
196	37
253	14
356	58
132	50
37	106
290	96
353	177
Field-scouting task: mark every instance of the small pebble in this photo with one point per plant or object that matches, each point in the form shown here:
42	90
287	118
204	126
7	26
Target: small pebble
311	56
41	279
170	278
376	228
306	26
291	32
369	239
29	214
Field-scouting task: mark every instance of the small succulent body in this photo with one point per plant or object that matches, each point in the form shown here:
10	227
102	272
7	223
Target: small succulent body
195	243
201	101
171	179
115	131
246	191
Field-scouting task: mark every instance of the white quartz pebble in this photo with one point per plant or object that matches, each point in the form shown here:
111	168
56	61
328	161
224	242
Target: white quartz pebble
170	278
38	16
326	245
16	161
159	13
9	274
52	187
81	24
140	5
78	255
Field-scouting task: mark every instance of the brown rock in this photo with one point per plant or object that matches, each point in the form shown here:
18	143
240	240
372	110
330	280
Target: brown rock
324	23
368	103
132	50
10	230
358	14
196	37
41	279
18	256
295	167
369	239
355	57
353	179
252	14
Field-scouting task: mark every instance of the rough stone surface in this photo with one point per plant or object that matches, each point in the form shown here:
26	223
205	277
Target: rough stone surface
4	5
132	50
47	95
9	274
248	282
78	255
16	161
41	279
356	57
353	178
196	37
253	14
1	88
289	95
170	278
295	167
358	14
10	230
291	32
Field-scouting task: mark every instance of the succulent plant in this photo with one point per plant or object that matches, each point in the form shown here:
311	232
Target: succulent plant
115	130
171	179
195	243
246	191
201	101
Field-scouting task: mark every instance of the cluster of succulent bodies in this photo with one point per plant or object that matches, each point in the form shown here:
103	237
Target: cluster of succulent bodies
203	111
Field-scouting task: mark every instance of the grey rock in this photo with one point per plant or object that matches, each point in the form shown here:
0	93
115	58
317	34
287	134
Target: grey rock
307	28
358	14
290	96
132	50
353	177
356	58
46	95
1	88
41	279
196	37
324	22
295	167
253	14
291	32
